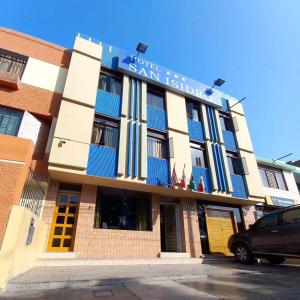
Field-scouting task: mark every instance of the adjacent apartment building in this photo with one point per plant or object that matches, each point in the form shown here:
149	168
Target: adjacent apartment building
103	134
280	186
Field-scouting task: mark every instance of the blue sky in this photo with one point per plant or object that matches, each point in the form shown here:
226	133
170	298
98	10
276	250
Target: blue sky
254	45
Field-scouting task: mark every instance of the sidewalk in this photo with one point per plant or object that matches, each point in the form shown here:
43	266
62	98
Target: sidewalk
40	278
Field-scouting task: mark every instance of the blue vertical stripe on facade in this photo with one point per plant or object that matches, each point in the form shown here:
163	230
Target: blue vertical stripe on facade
136	137
212	123
110	56
238	185
204	172
136	149
216	165
158	171
195	130
108	104
102	161
229	140
137	99
222	168
156	118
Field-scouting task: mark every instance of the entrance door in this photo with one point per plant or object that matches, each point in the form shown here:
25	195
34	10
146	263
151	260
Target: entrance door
220	226
62	231
170	240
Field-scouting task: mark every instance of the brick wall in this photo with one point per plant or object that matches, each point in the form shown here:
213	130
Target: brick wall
108	243
9	177
32	99
190	227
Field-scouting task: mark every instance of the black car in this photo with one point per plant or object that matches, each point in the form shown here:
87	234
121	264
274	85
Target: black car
274	236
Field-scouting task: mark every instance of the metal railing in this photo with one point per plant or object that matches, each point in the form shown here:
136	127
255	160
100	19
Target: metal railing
12	62
33	194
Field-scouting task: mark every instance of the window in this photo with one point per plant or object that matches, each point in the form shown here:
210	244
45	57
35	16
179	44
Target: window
298	185
110	84
291	216
272	178
123	210
226	123
264	177
156	145
155	99
198	155
105	133
12	62
268	221
10	121
193	111
233	163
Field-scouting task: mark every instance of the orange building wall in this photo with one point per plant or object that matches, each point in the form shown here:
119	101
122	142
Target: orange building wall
15	158
32	99
30	46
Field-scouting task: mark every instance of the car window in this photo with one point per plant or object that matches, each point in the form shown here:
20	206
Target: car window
291	216
268	221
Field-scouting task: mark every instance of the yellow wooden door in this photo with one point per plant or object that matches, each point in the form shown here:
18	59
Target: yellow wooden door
63	228
220	226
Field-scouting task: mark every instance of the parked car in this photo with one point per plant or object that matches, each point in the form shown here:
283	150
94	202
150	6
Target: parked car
275	237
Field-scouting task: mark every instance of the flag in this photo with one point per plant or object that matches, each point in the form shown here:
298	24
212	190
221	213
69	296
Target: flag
174	179
192	185
201	185
183	179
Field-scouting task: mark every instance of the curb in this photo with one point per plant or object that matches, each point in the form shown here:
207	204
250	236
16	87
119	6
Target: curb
34	286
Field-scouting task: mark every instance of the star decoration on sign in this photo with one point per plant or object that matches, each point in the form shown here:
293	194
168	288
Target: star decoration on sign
176	76
183	79
168	73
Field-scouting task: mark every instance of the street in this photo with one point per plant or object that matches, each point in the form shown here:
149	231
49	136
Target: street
213	280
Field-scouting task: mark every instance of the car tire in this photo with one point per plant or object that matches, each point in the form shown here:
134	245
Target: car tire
243	254
275	260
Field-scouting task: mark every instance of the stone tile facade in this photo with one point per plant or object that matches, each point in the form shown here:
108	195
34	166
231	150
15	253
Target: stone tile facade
93	242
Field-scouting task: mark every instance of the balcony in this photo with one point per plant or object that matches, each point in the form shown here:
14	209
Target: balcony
195	130
238	185
229	140
102	161
156	118
158	171
108	104
204	172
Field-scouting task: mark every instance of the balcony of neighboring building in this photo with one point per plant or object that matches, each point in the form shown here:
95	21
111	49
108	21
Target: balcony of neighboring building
12	66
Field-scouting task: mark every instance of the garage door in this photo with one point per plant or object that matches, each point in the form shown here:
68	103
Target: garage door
220	226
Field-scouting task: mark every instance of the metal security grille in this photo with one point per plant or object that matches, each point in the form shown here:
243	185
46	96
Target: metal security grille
12	62
33	194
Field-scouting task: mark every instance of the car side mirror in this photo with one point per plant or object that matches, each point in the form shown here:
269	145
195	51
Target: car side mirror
252	227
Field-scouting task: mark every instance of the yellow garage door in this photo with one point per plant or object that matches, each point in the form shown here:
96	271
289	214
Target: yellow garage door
220	226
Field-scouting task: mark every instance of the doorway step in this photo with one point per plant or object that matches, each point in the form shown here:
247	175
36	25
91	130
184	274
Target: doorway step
64	260
175	255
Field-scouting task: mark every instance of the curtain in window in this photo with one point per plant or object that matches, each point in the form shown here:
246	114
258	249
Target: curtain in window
156	147
10	121
155	100
111	137
105	135
97	132
272	179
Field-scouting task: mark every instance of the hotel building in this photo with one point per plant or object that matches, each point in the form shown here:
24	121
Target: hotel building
89	140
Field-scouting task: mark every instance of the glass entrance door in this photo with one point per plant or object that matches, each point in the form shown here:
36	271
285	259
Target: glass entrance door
62	231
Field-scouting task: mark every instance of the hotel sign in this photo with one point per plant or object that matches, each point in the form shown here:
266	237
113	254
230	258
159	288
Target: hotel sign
278	201
151	72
